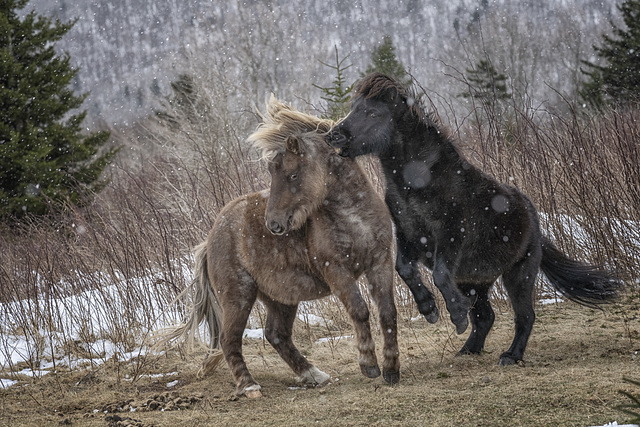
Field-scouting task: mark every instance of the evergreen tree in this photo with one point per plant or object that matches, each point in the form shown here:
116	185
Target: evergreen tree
384	60
486	84
44	157
337	96
183	103
617	80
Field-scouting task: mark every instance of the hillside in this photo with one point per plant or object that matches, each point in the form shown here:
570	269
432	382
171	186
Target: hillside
128	51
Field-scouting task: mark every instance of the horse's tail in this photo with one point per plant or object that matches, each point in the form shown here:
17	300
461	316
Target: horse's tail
205	306
585	284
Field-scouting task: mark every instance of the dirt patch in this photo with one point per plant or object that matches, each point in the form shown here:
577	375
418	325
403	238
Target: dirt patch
575	364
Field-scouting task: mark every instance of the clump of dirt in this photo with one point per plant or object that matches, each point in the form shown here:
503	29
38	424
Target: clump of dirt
118	421
167	401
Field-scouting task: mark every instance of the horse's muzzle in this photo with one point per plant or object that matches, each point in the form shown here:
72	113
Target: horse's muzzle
338	141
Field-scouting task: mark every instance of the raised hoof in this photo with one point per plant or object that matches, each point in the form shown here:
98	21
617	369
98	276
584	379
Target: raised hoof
252	392
370	371
433	316
462	323
391	377
429	311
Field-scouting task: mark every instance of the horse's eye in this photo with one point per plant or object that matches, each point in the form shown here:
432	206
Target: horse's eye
293	177
372	115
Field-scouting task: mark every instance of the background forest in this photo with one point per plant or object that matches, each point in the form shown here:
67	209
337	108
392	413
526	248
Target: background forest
129	51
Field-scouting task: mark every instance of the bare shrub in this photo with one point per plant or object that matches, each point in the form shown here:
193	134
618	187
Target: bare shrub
580	170
107	275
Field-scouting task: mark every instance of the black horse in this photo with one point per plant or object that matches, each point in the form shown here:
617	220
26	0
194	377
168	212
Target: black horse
461	223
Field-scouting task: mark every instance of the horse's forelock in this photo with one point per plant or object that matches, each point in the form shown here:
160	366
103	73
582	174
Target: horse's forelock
378	86
280	121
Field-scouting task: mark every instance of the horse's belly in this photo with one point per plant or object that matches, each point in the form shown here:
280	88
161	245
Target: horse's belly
475	267
281	270
291	287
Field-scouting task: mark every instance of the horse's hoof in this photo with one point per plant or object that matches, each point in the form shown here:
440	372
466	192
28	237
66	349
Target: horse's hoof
506	360
391	377
370	371
313	376
429	311
253	391
468	352
461	325
433	316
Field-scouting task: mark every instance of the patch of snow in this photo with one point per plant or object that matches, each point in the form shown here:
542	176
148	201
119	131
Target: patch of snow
615	424
327	339
313	320
253	333
6	383
169	374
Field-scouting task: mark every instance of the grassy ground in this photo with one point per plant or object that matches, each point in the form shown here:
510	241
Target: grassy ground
575	364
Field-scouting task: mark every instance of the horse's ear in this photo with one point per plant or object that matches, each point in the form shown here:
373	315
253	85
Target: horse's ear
294	145
392	95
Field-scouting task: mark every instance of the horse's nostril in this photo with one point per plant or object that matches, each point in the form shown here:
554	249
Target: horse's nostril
337	139
275	227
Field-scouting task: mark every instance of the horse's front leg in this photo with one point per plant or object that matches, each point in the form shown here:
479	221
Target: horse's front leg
278	329
381	287
343	285
457	304
407	268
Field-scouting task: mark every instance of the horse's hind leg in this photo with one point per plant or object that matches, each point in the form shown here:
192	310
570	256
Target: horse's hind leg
519	283
407	268
381	288
280	318
236	308
481	315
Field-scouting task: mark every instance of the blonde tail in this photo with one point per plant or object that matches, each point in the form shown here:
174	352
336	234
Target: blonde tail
205	306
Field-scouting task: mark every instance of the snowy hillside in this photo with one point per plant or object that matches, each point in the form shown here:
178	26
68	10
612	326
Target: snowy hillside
129	50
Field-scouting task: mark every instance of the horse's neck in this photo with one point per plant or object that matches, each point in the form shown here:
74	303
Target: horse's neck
415	142
350	183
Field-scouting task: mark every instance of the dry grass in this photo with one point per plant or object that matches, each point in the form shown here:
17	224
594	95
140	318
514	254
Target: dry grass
575	363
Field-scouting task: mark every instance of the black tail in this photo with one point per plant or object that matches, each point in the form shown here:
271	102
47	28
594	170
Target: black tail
582	283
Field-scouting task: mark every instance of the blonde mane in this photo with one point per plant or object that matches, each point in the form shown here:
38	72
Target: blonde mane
278	122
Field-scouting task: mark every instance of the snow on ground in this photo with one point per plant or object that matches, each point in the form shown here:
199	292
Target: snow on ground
16	349
72	319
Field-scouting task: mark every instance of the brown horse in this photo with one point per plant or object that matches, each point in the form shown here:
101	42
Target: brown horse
319	228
